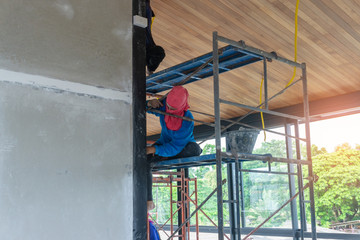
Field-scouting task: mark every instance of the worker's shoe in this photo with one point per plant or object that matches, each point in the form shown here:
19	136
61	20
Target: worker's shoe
154	56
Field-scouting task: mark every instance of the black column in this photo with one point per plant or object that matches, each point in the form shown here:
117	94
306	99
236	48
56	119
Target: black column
139	126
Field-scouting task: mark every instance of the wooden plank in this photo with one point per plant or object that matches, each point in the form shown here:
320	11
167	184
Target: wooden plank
328	41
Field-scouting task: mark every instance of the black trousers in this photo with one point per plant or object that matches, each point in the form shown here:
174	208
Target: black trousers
190	150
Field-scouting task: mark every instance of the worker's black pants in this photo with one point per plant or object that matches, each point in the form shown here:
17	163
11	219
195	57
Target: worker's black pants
190	150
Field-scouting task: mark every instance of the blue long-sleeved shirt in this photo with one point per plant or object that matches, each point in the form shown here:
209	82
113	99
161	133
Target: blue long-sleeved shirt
172	142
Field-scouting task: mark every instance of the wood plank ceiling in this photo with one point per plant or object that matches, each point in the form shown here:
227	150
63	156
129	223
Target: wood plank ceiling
328	42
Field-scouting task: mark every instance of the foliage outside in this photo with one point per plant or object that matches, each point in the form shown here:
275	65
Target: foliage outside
337	192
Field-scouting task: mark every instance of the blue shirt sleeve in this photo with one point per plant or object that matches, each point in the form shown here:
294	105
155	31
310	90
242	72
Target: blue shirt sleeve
172	142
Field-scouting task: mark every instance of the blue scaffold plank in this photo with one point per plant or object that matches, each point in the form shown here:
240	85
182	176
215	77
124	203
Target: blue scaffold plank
203	160
210	159
229	58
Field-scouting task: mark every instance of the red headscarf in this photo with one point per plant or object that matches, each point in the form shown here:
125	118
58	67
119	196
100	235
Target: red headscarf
178	99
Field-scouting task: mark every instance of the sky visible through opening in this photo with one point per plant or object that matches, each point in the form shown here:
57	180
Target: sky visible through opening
325	133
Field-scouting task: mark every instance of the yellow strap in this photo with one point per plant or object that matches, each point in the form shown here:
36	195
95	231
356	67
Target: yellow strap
261	114
152	21
294	73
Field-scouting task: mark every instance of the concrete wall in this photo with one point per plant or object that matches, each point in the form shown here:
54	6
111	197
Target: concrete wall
65	166
85	41
66	144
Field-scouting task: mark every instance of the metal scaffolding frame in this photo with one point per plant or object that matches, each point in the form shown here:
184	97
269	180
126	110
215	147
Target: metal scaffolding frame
235	216
235	160
181	184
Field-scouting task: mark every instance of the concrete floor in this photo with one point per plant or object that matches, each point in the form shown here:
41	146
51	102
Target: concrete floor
214	236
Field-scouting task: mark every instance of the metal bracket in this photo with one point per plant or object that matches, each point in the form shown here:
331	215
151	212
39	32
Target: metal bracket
140	21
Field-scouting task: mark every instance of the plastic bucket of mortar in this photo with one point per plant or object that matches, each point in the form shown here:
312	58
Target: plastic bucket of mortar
242	140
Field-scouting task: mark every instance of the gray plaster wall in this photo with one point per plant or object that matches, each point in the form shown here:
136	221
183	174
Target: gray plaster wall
66	143
65	165
84	41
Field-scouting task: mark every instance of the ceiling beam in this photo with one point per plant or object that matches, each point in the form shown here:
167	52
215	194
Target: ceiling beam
321	109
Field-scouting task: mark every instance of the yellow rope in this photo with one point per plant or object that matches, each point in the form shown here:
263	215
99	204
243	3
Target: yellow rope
295	41
294	73
152	21
261	114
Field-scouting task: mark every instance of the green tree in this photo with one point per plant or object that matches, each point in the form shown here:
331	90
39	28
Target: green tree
277	148
337	192
357	146
264	193
316	151
342	147
206	183
261	186
208	149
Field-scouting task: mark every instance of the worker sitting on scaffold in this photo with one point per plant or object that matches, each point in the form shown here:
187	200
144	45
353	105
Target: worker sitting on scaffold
177	138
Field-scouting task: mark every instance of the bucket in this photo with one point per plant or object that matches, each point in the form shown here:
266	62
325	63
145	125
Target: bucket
242	140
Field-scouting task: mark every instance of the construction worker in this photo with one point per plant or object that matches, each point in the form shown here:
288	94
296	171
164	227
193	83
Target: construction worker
176	138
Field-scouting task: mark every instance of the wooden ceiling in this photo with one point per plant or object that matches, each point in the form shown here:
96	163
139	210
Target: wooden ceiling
328	42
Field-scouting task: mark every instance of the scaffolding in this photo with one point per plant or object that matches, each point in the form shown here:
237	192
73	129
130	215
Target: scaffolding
177	182
236	231
234	159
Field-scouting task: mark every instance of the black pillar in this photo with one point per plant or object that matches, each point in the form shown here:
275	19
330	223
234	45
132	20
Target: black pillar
139	126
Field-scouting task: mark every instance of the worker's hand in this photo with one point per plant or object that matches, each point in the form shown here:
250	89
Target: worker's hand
150	150
154	103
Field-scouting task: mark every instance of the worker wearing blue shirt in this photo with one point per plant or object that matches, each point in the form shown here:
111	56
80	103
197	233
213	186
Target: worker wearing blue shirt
176	139
172	142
